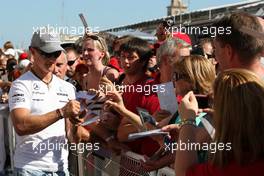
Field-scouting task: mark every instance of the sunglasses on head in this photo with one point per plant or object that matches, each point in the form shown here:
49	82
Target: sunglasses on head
70	63
95	37
53	55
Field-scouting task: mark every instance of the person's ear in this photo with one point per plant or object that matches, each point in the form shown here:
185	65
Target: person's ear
229	51
102	55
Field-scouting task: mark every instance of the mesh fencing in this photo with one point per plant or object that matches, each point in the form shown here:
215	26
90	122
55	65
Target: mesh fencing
102	163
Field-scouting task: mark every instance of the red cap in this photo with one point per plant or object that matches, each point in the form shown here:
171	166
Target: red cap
183	38
23	56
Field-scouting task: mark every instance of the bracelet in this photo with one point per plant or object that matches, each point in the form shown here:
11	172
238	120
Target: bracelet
59	113
188	122
110	138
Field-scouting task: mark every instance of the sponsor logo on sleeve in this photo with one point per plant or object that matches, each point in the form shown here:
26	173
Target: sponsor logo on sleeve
18	99
18	95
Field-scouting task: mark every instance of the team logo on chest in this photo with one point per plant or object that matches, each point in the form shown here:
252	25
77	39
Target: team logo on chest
36	86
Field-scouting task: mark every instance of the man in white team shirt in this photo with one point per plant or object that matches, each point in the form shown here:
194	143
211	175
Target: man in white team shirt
40	104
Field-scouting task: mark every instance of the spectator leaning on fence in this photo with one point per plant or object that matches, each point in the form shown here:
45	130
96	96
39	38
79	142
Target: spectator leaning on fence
40	103
191	73
95	54
134	58
239	125
167	54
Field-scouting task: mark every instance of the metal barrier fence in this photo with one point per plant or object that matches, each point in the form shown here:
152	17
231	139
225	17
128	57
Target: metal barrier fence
96	163
102	163
2	143
7	141
166	171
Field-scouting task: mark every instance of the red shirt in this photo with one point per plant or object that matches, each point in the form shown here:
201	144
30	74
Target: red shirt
145	99
233	169
149	101
114	63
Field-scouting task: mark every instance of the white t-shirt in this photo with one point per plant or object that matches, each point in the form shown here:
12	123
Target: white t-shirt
47	149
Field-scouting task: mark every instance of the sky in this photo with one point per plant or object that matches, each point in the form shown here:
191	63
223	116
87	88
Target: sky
19	18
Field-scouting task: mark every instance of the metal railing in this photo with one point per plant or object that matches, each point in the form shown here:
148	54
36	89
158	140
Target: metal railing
87	163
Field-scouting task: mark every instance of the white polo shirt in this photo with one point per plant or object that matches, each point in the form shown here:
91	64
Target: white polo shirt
47	149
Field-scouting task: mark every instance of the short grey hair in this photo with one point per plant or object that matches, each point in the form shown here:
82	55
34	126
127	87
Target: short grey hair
167	48
65	56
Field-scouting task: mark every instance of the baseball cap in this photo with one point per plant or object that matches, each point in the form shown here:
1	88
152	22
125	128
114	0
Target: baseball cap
10	51
46	41
183	38
23	56
23	63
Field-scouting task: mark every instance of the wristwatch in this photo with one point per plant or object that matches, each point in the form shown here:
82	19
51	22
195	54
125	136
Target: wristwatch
187	122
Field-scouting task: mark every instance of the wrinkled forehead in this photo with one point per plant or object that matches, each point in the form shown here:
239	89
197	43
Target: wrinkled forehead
62	58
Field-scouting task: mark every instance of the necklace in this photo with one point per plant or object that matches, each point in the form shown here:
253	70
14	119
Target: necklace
47	83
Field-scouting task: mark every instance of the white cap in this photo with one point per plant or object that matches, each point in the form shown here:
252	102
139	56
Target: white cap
23	63
10	51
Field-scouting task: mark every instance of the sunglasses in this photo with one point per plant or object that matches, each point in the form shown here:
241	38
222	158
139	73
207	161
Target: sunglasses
53	55
70	63
96	37
178	76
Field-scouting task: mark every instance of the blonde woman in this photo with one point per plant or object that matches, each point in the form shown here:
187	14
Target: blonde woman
190	73
95	54
239	125
194	73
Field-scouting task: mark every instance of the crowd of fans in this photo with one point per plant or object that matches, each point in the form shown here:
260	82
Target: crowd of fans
221	76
